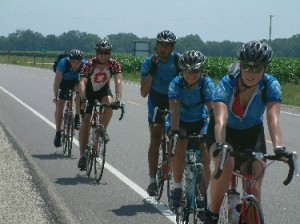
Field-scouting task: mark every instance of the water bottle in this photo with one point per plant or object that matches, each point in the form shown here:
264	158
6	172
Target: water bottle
233	200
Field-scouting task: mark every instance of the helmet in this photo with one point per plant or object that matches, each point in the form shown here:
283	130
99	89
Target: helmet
103	45
191	60
75	54
166	36
255	53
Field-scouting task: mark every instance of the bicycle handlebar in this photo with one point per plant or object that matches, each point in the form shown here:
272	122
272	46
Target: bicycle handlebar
292	161
114	106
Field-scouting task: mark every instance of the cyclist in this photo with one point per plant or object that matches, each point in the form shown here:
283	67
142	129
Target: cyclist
95	85
66	78
239	104
156	74
190	98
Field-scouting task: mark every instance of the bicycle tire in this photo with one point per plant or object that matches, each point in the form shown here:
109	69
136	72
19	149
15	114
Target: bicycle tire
253	211
160	172
201	194
223	214
63	134
99	160
70	131
89	161
183	212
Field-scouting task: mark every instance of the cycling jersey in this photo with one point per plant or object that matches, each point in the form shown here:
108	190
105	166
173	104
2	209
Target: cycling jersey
96	78
253	114
192	106
165	73
64	67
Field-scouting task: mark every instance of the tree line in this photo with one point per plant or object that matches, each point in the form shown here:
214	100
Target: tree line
28	40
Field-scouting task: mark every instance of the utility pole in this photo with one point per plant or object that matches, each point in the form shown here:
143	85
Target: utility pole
270	28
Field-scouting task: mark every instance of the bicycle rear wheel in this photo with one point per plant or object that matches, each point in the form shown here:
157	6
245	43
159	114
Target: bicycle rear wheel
201	195
183	212
89	160
160	172
99	160
251	212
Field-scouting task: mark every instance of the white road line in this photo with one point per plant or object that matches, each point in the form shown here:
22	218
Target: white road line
160	207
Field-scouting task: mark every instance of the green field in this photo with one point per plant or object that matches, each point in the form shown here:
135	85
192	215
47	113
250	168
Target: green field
290	91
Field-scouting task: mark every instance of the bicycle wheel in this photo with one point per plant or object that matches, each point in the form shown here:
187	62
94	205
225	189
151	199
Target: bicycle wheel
70	130
160	171
201	195
183	212
100	157
223	214
64	134
251	212
89	160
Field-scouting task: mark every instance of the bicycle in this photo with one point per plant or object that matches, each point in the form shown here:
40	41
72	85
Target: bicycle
164	171
67	129
247	209
96	147
194	195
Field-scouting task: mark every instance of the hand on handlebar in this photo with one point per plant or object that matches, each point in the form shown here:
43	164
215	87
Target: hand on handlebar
282	153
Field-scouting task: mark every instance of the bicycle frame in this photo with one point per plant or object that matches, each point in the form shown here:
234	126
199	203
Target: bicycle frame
248	199
194	187
68	126
164	172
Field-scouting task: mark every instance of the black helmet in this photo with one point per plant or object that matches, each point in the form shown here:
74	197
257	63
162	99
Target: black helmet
103	45
255	53
75	54
191	60
166	36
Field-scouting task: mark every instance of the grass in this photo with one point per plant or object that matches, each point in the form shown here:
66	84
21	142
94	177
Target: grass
290	92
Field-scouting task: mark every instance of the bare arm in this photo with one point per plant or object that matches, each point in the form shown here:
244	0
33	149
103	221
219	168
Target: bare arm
57	81
272	113
118	86
146	84
82	87
221	116
175	114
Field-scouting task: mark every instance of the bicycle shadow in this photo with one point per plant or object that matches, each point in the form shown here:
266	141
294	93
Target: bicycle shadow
79	179
133	210
53	156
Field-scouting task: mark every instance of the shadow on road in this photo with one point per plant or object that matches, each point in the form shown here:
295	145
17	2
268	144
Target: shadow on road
132	210
53	156
79	179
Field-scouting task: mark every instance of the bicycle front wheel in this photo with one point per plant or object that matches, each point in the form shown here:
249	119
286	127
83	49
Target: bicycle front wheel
251	212
67	135
89	161
99	160
183	212
201	195
160	172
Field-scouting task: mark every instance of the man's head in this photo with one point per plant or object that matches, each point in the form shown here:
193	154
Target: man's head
103	49
165	42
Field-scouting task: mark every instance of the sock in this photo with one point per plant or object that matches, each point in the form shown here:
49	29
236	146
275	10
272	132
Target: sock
177	185
152	180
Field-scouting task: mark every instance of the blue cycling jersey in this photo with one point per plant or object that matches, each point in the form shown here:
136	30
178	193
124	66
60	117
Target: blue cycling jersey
64	66
225	92
165	73
192	106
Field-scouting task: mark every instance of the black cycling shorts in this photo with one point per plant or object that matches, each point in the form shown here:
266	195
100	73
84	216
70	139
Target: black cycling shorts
98	95
65	86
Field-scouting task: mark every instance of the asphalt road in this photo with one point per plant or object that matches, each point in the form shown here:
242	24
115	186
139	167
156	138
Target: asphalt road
68	196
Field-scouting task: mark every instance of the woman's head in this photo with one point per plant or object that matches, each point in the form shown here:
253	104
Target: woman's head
254	57
255	53
191	64
75	56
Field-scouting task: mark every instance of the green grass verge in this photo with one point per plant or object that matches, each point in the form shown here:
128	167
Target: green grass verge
290	92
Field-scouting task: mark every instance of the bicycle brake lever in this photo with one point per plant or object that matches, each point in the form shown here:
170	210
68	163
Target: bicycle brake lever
294	157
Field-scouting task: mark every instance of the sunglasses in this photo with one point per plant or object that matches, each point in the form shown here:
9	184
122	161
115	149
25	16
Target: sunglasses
103	52
253	69
193	70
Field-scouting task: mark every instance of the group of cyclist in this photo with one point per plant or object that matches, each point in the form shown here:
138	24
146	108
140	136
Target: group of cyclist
229	114
91	81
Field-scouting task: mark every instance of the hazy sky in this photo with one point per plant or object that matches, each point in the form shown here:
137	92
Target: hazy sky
212	20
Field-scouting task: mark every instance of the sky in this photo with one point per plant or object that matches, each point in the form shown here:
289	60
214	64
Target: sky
212	20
